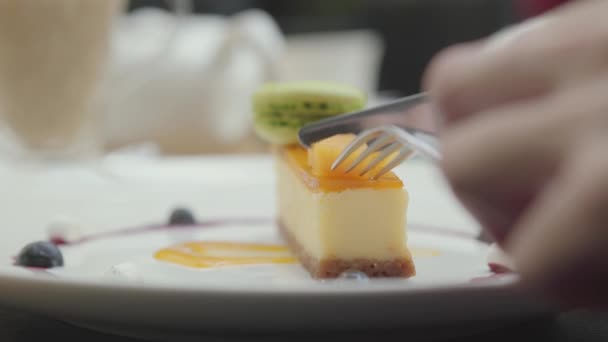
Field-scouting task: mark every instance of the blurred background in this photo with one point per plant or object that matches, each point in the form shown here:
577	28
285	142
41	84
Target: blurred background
381	46
177	75
412	31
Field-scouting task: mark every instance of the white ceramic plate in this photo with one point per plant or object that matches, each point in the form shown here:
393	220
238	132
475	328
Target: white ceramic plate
144	296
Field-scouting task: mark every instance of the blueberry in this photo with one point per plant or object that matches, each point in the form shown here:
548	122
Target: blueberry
41	254
181	217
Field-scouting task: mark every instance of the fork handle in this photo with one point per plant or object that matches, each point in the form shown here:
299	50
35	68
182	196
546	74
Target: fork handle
421	143
409	113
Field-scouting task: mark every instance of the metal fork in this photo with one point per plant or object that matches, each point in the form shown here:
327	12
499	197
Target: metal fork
386	140
388	127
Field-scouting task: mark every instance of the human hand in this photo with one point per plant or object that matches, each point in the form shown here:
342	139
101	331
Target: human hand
525	145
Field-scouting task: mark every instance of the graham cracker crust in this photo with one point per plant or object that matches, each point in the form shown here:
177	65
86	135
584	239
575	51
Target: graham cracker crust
332	268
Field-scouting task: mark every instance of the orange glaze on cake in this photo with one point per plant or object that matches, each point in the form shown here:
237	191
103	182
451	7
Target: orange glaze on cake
209	254
298	159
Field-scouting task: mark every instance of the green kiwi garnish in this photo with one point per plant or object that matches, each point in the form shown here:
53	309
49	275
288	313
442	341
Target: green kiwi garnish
281	109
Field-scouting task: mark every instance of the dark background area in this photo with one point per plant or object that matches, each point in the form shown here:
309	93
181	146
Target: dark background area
412	30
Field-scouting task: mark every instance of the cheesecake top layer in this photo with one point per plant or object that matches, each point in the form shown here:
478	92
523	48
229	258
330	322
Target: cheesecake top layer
297	158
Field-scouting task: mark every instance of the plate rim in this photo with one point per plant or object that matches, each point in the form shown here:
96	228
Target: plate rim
11	273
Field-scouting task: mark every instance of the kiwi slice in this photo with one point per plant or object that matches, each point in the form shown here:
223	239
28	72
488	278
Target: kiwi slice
281	109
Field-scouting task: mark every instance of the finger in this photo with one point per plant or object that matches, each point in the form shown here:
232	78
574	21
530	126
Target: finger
509	146
523	62
497	162
560	246
467	79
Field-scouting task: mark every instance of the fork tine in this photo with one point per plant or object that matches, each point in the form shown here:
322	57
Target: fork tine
403	155
363	138
385	153
375	146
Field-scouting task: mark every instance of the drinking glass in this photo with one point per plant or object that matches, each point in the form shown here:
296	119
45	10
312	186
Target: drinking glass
53	58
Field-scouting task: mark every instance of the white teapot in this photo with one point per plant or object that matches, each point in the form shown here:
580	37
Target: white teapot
184	83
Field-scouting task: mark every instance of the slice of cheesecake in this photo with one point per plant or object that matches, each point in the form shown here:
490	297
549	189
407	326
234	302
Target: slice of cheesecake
335	221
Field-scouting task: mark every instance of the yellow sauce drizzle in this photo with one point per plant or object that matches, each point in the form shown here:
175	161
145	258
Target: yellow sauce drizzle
214	254
424	252
210	254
